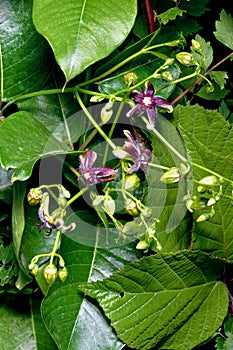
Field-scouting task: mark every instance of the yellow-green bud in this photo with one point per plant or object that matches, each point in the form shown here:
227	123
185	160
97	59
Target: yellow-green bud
198	203
167	75
34	196
109	205
34	269
185	58
130	78
130	228
142	245
131	182
63	273
171	176
203	217
210	181
106	112
201	189
131	208
211	201
196	45
50	273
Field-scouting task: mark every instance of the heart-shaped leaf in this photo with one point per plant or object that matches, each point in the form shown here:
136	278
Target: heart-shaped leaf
159	300
25	55
91	32
206	130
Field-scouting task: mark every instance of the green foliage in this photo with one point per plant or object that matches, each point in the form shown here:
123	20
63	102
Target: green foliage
117	222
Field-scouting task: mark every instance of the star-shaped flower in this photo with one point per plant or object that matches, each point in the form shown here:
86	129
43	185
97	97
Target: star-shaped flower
147	102
134	151
92	175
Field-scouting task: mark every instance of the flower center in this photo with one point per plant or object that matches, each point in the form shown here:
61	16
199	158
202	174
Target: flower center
147	101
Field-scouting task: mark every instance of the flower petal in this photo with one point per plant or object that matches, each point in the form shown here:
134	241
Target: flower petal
135	111
151	113
161	102
150	90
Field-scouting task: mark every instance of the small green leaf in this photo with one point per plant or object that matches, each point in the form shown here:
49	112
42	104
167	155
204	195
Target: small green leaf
82	32
170	14
162	298
219	77
224	29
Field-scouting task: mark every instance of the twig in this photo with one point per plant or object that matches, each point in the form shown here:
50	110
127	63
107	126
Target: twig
149	16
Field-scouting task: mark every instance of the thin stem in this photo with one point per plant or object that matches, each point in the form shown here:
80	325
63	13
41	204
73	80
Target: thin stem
210	171
38	93
149	16
94	123
79	194
158	166
113	127
53	252
166	143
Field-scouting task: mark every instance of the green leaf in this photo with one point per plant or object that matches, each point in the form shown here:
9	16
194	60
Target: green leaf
166	200
18	219
21	147
207	52
42	337
25	55
208	138
226	342
219	77
162	299
16	330
91	33
71	318
170	14
224	29
216	95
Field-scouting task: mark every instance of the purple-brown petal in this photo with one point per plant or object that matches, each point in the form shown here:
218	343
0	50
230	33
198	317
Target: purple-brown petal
135	111
151	113
161	102
150	90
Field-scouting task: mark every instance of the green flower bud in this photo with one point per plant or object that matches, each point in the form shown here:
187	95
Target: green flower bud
106	112
50	274
167	75
131	208
209	89
130	78
34	196
171	176
143	245
211	201
210	181
130	228
201	189
196	45
185	58
203	217
198	203
63	273
131	182
34	269
109	205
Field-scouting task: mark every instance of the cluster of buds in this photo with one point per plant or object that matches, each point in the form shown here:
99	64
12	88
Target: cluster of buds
210	191
50	222
50	272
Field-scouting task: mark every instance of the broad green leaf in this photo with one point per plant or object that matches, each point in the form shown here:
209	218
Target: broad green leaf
5	186
170	14
195	8
24	140
208	139
166	200
224	29
216	95
91	32
207	52
25	55
42	337
74	321
16	331
159	300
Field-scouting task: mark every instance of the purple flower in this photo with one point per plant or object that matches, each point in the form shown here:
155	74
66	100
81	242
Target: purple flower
138	152
94	175
47	221
147	102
